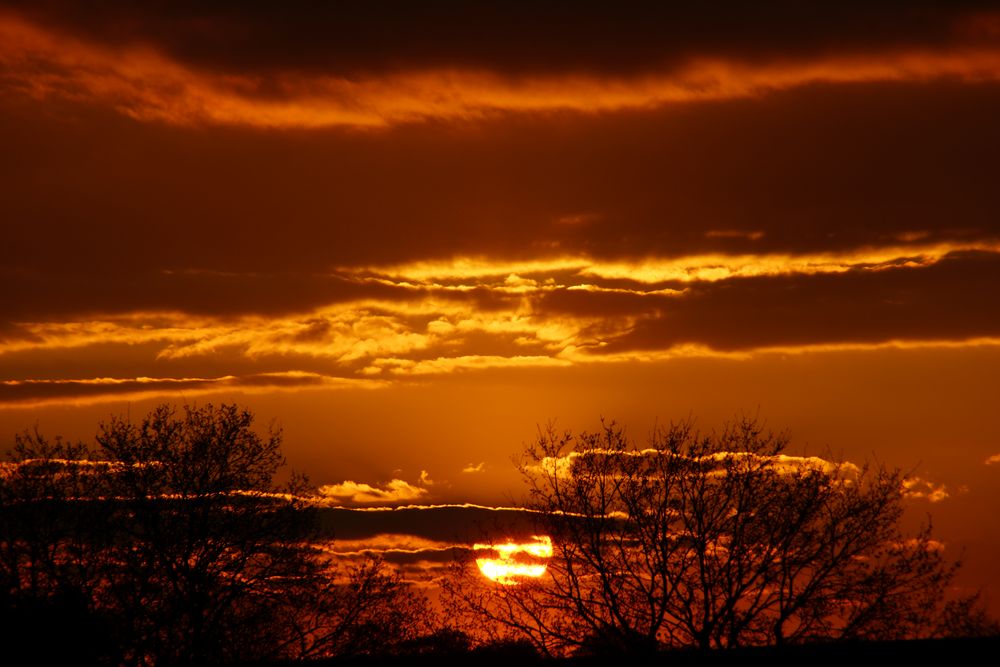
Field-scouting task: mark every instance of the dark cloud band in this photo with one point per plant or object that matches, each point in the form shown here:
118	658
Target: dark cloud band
513	38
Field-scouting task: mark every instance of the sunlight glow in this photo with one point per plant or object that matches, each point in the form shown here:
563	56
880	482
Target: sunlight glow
509	566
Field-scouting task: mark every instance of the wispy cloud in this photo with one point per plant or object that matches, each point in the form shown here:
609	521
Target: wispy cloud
473	468
563	466
28	393
397	544
916	488
469	272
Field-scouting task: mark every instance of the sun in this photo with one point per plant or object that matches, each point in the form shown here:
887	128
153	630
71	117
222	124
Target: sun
515	561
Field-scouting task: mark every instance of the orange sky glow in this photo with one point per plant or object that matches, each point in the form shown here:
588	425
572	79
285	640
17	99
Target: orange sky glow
412	241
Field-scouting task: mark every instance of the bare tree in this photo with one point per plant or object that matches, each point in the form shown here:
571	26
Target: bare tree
210	538
716	540
173	531
369	610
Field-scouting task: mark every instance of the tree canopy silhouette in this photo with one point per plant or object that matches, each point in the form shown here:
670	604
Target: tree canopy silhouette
712	541
172	537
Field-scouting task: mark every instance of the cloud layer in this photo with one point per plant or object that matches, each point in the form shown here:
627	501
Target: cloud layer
143	79
468	316
192	203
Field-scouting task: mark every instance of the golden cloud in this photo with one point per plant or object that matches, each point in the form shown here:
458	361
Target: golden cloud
388	543
921	489
394	491
86	391
145	84
553	314
480	271
563	466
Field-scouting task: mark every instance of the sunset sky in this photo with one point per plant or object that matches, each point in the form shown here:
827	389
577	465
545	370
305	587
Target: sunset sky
412	235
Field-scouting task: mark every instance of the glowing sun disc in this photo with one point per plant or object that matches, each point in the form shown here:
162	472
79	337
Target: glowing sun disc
508	568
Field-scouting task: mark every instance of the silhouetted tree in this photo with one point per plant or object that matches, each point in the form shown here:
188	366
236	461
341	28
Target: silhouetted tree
370	611
716	540
172	532
207	532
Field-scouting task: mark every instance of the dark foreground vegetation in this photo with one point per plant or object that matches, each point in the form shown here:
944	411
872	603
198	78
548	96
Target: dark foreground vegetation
902	652
716	541
168	543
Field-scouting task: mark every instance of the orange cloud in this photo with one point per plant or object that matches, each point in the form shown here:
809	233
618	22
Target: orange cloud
467	272
392	492
466	362
563	466
541	313
369	343
388	543
86	391
147	85
922	489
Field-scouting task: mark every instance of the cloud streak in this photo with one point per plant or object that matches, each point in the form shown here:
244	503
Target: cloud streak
30	393
563	466
147	84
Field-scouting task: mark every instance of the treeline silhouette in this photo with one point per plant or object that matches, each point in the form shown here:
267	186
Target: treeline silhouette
168	542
